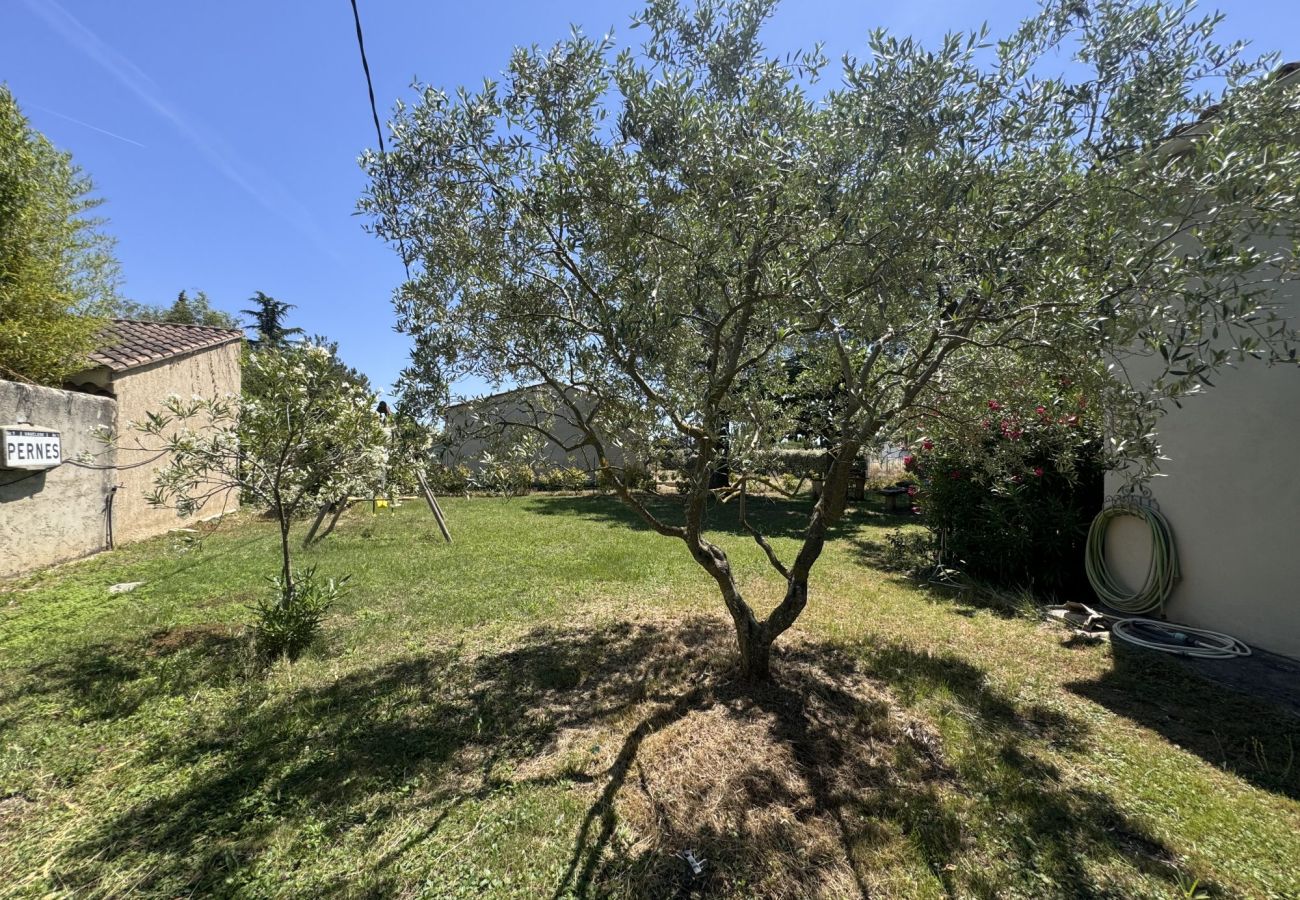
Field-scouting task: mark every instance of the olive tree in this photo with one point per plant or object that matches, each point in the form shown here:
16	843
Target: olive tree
658	235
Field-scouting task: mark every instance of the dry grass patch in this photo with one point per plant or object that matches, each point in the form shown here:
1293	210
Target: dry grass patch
789	789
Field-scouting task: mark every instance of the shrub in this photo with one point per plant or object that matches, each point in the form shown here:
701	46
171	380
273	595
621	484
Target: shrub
449	479
789	483
908	551
574	479
800	462
636	479
288	620
1014	504
563	478
504	476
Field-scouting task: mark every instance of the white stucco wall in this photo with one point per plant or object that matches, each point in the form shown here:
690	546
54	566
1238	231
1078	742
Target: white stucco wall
1231	492
470	428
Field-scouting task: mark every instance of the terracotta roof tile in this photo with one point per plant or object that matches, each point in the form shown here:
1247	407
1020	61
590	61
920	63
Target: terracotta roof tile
127	344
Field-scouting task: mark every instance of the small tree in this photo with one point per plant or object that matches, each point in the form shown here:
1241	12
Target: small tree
308	438
666	233
57	270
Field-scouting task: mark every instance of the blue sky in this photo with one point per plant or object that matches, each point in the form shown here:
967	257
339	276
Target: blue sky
224	136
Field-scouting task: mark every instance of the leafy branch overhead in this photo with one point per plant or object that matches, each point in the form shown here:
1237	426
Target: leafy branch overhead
58	275
664	232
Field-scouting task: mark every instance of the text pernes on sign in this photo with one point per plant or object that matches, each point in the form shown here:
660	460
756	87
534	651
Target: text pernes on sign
29	447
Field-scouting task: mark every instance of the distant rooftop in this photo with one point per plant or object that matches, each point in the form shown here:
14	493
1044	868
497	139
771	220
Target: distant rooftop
128	344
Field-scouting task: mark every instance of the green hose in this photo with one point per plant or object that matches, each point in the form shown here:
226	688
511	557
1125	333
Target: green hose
1162	571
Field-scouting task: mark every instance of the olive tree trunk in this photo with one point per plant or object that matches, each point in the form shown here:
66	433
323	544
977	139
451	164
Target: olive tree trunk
754	638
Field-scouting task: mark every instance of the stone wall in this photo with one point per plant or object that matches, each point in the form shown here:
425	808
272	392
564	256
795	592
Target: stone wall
53	515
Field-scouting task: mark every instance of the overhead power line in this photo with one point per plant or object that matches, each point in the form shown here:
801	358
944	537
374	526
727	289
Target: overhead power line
379	130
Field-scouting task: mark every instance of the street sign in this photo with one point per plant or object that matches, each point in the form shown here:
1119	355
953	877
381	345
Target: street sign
29	447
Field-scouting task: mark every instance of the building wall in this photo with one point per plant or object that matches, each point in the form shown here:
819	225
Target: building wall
213	373
57	514
1231	492
474	428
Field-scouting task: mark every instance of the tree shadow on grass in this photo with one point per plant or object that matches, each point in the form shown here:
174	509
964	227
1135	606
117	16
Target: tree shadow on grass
1249	737
107	681
821	783
1049	830
774	516
435	728
811	782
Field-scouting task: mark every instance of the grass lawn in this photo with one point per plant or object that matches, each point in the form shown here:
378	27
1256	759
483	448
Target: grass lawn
543	710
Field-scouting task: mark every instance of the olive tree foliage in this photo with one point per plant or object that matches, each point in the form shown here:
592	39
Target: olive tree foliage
57	270
308	437
662	232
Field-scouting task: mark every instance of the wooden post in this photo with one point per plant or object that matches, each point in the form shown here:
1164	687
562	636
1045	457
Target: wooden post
340	506
433	505
320	517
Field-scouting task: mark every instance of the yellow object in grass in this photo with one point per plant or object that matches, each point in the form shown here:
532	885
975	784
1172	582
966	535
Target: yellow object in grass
381	504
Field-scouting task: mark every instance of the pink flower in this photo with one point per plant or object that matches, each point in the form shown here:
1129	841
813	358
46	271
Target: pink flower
994	405
916	510
1041	410
909	462
927	444
1071	420
911	490
1038	471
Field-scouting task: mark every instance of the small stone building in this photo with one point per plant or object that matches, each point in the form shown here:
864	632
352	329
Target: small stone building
93	497
139	364
57	513
485	424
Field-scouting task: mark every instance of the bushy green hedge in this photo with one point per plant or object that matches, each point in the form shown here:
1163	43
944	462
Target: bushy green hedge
801	462
635	478
449	479
1014	503
567	478
506	477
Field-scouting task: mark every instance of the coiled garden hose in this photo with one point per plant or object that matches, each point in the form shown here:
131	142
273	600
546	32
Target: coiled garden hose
1162	571
1180	639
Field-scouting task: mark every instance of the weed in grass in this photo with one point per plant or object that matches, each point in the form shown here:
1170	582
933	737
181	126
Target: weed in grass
289	616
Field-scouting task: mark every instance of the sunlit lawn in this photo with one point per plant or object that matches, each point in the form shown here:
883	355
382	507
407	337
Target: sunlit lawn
543	709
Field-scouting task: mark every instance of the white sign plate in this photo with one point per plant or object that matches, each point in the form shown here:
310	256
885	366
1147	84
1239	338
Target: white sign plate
29	447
